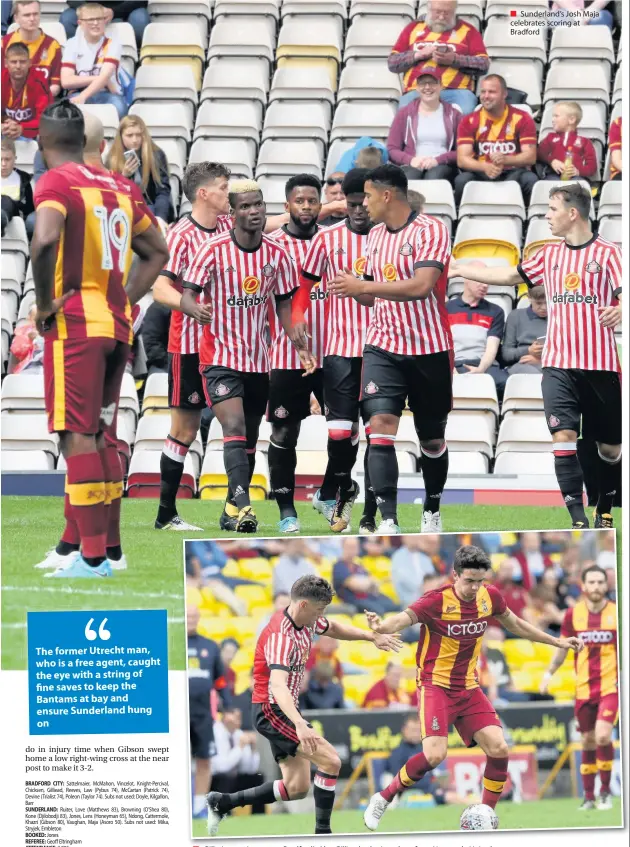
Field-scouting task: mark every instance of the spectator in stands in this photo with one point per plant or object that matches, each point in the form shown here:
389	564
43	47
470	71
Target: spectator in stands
477	327
205	561
542	610
416	200
322	692
525	331
243	701
530	560
25	94
236	760
497	142
135	155
133	11
375	151
423	135
354	585
325	650
567	154
90	68
27	347
603	16
6	15
410	565
155	337
280	603
294	563
388	692
614	145
17	194
495	673
229	649
448	44
333	193
516	597
44	51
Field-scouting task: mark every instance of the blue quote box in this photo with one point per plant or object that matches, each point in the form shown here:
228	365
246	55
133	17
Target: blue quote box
97	672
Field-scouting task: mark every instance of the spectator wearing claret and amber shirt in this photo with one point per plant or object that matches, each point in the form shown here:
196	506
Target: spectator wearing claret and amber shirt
388	692
497	142
614	145
567	154
44	51
25	94
448	44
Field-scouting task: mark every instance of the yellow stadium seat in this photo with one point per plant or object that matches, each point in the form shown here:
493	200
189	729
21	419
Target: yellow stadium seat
253	595
155	405
407	656
213	485
356	686
517	651
215	628
257	569
367	656
360	621
508	539
496	559
193	596
312	62
243	661
231	568
259	610
243	681
345	619
208	601
324	569
243	629
488	248
387	588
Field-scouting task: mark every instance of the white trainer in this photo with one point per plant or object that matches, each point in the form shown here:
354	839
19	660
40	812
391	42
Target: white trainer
375	811
388	527
214	815
431	522
604	802
176	524
57	561
118	564
324	507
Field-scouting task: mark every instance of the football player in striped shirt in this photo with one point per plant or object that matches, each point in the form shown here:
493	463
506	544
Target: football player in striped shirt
280	658
453	620
290	385
237	272
408	356
338	248
581	384
594	620
205	185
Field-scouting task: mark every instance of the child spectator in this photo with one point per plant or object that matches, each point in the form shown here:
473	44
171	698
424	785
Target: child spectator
25	94
369	157
415	200
17	194
27	347
567	154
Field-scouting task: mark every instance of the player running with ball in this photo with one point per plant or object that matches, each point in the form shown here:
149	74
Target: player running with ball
454	619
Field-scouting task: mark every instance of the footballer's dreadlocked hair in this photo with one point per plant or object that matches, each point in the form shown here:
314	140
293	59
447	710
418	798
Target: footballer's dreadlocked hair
62	126
241	186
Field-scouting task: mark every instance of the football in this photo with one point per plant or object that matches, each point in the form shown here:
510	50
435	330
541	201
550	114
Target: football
478	817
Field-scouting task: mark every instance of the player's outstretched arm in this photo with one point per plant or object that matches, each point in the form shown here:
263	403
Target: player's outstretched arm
556	663
347	632
517	626
152	252
418	287
281	694
392	624
491	276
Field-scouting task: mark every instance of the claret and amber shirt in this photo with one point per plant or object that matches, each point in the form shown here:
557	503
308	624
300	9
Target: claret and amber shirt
596	664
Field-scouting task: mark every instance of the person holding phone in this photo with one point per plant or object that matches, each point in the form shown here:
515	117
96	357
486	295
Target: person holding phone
135	155
525	335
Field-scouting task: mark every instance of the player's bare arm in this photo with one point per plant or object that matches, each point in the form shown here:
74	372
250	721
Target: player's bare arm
346	632
189	305
491	276
392	624
296	333
48	228
557	661
164	292
517	626
281	694
610	316
152	252
417	288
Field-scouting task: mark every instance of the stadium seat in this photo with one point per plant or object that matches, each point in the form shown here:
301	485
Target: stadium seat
175	42
521	74
165	83
352	120
25	307
295	8
302	83
335	152
501	44
27	460
128	404
472	239
569	80
368	80
253	595
173	122
23	392
9	312
297	120
482	199
213	478
180	9
502	8
13	273
538	234
238	155
14	239
523	393
592	125
404	8
617	88
523	463
356	686
151	434
471	11
461	462
229	120
313	433
215	436
610	200
289	157
242	78
107	115
407	463
313	40
258	569
28	432
505	301
611	229
475	392
50	22
155	394
268	8
438	196
367	39
123	32
240	36
525	432
539	202
25	151
144	475
468	433
272	188
583	43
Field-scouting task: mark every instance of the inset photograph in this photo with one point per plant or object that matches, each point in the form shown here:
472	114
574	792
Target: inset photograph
419	683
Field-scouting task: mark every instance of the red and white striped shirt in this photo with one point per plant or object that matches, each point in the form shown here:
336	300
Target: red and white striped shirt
239	284
284	646
336	249
414	327
184	238
578	282
283	353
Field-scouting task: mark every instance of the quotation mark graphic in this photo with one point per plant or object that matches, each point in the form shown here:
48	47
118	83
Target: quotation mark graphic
103	634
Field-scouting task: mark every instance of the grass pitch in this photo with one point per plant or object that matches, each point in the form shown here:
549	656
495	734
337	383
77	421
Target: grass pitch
542	814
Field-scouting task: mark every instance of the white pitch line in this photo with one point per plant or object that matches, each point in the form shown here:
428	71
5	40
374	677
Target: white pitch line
22	624
58	589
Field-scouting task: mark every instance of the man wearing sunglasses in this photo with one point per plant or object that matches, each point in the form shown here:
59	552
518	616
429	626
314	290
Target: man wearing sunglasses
333	194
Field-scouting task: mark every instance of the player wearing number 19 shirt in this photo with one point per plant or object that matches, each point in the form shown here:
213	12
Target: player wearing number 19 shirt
581	384
408	351
237	272
88	225
333	250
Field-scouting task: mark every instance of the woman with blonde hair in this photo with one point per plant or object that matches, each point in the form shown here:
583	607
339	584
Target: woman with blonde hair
135	155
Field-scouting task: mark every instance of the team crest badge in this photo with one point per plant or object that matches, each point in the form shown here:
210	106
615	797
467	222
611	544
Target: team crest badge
593	268
406	249
371	388
450	609
435	725
221	390
554	421
268	271
484	607
194	397
281	412
203	653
